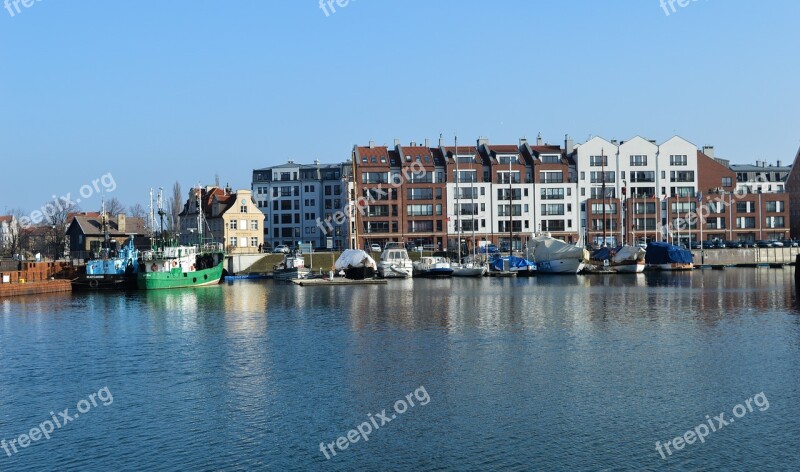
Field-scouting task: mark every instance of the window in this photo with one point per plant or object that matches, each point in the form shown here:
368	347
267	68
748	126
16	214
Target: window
420	194
775	207
597	192
553	209
552	193
466	176
551	159
681	176
597	177
611	208
419	210
644	208
516	210
233	240
775	222
744	222
744	207
375	177
254	225
598	161
638	177
424	178
508	177
551	177
678	160
254	241
503	194
684	207
243	209
638	161
232	224
507	159
378	210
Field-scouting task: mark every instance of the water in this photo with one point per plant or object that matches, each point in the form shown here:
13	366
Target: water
558	373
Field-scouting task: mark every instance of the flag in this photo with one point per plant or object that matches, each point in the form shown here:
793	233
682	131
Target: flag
700	197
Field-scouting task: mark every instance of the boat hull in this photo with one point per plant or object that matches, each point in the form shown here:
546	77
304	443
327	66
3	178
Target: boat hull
674	267
291	274
633	268
176	278
359	273
432	273
104	282
394	272
560	266
469	272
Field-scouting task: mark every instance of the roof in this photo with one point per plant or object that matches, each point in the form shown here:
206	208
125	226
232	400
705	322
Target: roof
754	168
93	226
6	218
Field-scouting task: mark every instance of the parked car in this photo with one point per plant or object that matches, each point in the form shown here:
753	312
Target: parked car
411	247
694	245
763	244
793	243
489	249
777	243
281	249
733	244
375	248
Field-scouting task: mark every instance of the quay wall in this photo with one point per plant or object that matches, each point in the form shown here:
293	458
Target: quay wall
35	288
783	255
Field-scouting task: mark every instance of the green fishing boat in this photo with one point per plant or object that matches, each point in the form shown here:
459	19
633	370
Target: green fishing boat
181	267
169	265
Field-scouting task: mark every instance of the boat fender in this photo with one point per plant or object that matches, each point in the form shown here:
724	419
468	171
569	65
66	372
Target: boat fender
174	263
93	283
192	269
153	268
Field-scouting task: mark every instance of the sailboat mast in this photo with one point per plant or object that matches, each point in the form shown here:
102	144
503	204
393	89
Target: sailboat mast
603	170
199	216
458	204
510	212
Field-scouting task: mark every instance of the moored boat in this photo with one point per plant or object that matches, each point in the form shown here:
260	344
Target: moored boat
395	262
114	270
623	259
665	256
554	256
293	267
181	267
470	269
356	265
512	265
432	267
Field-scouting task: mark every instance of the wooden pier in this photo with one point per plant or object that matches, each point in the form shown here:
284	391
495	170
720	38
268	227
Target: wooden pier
337	282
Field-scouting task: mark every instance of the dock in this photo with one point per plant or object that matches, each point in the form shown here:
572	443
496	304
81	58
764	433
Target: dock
337	282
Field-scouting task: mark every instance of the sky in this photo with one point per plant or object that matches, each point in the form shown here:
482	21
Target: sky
152	93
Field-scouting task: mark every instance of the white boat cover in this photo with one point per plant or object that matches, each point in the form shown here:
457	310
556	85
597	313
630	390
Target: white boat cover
545	248
629	253
354	259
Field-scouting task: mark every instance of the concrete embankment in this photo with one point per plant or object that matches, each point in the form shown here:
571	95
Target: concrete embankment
746	256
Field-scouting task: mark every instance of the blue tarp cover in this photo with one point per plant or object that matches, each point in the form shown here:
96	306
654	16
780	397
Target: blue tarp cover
514	261
665	253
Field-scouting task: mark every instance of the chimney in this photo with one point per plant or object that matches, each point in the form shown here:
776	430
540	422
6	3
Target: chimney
372	144
483	141
569	144
614	142
412	144
539	139
778	164
396	142
427	143
121	226
441	141
523	142
709	151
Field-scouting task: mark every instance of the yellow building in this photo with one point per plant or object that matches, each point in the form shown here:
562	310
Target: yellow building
231	218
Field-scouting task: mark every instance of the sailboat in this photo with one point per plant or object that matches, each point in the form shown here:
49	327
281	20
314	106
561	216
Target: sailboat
470	266
554	256
169	265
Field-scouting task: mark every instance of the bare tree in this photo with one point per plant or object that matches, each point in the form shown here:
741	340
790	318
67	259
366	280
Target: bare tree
114	207
17	237
137	211
56	222
175	207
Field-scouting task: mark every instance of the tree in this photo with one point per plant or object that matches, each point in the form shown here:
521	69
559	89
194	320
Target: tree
17	237
175	207
114	207
56	222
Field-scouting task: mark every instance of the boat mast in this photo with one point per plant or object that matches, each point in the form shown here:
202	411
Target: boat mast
510	212
161	214
603	169
199	196
458	205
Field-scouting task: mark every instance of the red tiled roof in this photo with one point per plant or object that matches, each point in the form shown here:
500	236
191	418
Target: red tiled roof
504	148
6	218
378	151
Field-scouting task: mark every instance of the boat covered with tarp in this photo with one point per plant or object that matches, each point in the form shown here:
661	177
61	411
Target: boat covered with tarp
513	264
356	264
624	259
666	256
554	256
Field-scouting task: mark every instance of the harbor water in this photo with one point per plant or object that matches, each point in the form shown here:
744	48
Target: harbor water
548	373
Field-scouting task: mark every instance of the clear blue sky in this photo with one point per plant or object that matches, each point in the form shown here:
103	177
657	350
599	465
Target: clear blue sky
179	89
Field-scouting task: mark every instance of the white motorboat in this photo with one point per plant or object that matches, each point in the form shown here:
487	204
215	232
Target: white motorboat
395	262
293	267
469	269
433	267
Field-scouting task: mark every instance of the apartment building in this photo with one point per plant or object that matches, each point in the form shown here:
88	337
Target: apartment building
231	218
295	197
404	192
793	188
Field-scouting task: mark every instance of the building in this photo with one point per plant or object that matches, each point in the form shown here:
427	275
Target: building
295	198
401	195
8	227
761	177
231	218
86	233
793	188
